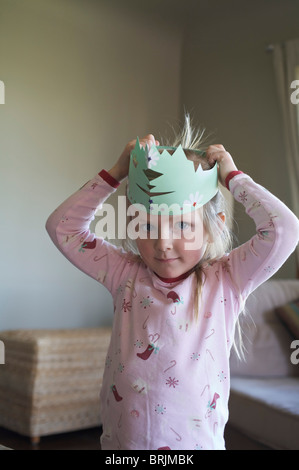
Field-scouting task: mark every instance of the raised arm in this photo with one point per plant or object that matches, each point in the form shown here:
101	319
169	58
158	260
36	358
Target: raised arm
68	227
277	235
277	228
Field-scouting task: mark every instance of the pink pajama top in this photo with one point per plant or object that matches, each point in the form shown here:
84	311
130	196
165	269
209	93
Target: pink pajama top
166	381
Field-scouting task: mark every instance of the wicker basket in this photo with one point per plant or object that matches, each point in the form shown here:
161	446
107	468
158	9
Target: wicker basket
51	380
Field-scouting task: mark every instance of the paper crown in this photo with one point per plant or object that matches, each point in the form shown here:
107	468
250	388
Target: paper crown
162	179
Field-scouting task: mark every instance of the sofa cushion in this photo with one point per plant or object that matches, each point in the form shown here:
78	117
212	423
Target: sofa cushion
289	314
267	410
266	339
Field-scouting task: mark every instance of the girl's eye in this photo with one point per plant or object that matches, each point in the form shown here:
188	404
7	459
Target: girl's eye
182	225
147	228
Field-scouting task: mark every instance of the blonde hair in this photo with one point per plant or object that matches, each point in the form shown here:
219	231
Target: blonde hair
219	235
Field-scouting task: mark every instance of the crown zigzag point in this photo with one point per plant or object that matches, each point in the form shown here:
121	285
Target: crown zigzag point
176	179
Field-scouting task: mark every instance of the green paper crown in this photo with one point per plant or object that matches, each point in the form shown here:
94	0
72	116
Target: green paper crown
157	179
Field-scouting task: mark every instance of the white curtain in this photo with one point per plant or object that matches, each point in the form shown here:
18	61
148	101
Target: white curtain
286	63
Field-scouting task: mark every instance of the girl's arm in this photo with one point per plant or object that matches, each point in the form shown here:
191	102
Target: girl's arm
68	227
277	228
277	235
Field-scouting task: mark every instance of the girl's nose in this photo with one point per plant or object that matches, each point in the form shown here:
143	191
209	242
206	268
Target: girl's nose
163	244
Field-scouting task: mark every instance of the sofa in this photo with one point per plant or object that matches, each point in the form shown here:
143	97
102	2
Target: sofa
264	398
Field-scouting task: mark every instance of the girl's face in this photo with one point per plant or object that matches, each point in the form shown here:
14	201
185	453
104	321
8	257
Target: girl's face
172	245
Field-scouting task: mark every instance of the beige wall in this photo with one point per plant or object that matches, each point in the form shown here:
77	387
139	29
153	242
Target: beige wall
82	78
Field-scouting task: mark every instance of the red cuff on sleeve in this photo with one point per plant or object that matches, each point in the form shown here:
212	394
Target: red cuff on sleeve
109	179
230	176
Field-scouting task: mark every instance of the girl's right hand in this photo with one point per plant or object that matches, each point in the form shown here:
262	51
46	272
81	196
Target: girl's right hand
226	164
121	168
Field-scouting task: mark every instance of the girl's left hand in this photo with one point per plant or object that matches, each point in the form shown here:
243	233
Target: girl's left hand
217	153
121	168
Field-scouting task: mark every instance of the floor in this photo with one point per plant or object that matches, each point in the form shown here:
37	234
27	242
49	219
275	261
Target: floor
89	439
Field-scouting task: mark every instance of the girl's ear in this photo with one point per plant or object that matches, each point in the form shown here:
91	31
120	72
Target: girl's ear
221	221
220	224
221	216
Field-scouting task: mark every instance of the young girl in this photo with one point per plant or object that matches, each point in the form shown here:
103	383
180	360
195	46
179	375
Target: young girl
166	381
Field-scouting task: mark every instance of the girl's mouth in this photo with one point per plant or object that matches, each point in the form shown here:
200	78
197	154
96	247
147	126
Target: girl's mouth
166	260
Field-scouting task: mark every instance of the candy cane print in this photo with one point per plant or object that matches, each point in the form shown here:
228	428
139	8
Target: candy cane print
252	249
205	388
145	322
173	362
154	338
119	444
179	438
98	258
212	332
209	352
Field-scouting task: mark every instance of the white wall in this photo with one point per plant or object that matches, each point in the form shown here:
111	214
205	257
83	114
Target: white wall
82	78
